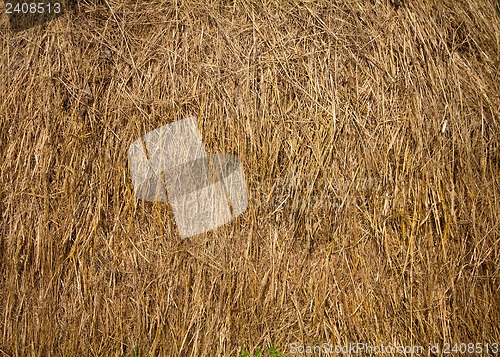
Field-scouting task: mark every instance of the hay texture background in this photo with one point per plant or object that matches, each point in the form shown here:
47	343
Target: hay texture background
369	136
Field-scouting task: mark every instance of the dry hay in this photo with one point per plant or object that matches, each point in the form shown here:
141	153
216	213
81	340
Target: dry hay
369	134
